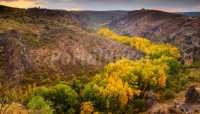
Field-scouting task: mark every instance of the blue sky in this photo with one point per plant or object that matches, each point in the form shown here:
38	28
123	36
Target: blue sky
167	5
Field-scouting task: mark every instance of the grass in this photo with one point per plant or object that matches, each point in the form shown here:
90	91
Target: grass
15	108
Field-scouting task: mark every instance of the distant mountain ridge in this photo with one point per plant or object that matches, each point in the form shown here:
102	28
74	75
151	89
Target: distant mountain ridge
97	19
193	14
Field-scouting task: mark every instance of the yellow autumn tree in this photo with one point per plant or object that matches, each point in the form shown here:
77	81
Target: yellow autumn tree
87	108
121	81
142	44
112	35
115	87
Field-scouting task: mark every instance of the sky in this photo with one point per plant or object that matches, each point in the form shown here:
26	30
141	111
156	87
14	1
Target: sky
100	5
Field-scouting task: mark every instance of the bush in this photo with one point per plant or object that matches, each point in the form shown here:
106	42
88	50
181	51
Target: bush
38	105
87	108
174	66
139	104
167	94
62	97
77	85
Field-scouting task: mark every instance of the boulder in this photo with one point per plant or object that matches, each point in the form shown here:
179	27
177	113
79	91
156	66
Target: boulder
150	99
192	95
191	105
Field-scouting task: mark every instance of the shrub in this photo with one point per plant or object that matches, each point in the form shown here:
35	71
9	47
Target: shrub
87	108
139	104
173	64
38	105
77	85
62	97
167	94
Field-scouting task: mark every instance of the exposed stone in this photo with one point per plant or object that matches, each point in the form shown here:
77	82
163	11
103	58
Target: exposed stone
150	99
191	105
180	107
189	50
188	40
193	95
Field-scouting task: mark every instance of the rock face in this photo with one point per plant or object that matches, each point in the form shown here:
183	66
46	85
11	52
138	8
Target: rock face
13	52
179	30
191	105
150	99
152	104
193	95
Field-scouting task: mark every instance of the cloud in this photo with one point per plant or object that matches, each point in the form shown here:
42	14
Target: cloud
20	3
73	9
17	0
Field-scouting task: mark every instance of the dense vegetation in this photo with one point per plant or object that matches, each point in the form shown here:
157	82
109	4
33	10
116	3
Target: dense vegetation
119	88
120	83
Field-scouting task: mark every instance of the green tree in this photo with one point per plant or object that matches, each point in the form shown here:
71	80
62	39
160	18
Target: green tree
62	97
38	105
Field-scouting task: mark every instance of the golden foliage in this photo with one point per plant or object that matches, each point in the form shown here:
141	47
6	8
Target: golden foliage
125	79
109	34
142	44
115	87
140	71
153	68
87	108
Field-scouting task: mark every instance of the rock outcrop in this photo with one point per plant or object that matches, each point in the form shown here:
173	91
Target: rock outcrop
191	105
193	95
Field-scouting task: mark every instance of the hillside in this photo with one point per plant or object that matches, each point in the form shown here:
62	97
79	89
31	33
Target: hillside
51	42
179	30
96	19
193	14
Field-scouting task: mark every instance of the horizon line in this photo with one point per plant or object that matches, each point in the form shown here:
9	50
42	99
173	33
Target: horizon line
122	10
